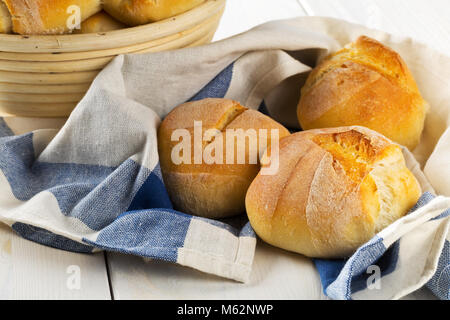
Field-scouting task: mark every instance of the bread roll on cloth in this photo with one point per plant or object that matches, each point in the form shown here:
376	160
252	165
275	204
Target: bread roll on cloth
48	16
212	189
335	190
137	12
366	84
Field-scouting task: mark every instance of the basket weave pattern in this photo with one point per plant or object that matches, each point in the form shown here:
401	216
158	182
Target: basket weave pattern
46	76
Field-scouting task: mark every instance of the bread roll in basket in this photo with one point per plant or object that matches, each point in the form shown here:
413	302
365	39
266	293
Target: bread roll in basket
47	75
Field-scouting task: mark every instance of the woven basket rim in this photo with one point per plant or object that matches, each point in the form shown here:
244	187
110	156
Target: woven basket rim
111	39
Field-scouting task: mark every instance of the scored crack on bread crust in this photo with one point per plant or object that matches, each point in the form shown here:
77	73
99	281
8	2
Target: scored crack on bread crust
366	84
336	188
211	190
138	12
31	17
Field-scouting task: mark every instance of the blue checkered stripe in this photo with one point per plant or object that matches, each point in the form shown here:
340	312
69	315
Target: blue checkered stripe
341	279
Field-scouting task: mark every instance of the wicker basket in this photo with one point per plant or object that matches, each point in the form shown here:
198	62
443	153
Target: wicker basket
46	76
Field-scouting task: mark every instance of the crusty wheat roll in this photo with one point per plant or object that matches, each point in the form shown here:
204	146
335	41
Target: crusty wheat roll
366	84
100	22
47	16
137	12
211	190
336	188
5	19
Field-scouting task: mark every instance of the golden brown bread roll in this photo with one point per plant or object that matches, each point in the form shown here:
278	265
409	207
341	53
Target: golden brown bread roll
100	22
335	189
213	190
366	84
48	16
137	12
5	19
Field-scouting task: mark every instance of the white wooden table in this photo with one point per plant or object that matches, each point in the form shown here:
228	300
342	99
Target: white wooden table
31	271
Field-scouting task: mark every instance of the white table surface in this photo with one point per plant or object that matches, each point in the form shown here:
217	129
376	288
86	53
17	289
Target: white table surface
32	271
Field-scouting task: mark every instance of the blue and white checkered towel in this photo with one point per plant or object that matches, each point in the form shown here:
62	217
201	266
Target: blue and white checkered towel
96	183
397	262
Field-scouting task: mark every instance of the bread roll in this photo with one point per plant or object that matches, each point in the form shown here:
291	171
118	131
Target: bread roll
214	190
335	190
5	19
366	84
100	22
47	16
137	12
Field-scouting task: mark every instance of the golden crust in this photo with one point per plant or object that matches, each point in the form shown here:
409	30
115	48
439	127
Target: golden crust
336	188
47	16
100	22
138	12
5	19
29	17
211	190
365	84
